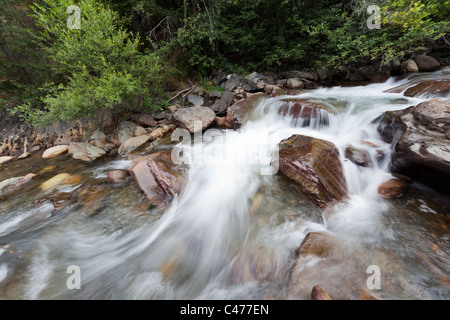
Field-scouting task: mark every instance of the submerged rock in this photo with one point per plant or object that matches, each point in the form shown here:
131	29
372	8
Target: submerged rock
392	188
56	180
5	159
12	184
157	177
318	293
118	176
358	156
85	151
420	142
314	164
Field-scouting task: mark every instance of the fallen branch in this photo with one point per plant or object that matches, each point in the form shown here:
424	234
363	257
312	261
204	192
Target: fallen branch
189	90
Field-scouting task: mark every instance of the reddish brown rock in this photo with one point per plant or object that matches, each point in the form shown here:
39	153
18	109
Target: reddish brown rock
239	112
435	88
306	110
318	293
315	243
392	188
314	164
157	177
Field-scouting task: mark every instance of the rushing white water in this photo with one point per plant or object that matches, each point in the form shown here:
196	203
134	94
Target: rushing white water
229	213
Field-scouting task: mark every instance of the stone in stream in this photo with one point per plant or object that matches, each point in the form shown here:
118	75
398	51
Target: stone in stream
85	151
435	88
254	265
128	129
318	293
315	165
419	142
55	152
56	180
239	112
93	199
145	120
118	176
188	117
306	110
221	105
358	156
294	83
157	177
12	184
6	159
101	141
392	188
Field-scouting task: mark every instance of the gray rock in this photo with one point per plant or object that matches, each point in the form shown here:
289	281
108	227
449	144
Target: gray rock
214	94
232	83
220	106
195	100
132	144
294	83
299	74
188	117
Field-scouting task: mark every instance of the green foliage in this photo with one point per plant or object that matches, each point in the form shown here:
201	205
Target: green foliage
96	68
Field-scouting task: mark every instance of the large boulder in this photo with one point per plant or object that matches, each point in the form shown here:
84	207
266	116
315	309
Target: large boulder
187	118
315	165
85	151
157	177
393	188
426	63
420	141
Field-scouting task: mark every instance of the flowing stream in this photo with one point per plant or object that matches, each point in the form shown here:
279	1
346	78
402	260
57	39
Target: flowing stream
232	232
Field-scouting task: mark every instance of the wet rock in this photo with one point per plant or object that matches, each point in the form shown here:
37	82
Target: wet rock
85	151
132	144
254	265
426	63
318	293
55	152
315	243
409	66
118	176
220	106
314	164
392	188
12	184
144	120
157	177
195	100
56	180
239	112
305	110
93	200
420	145
357	156
24	155
188	117
435	88
294	83
6	159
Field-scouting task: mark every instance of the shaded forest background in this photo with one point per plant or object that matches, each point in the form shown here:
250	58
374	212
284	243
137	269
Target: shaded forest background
127	55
